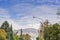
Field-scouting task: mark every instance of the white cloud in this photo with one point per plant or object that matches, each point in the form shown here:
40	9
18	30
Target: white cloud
27	11
4	14
27	22
14	24
34	10
3	11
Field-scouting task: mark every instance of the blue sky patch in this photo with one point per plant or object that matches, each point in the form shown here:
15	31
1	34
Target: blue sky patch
20	12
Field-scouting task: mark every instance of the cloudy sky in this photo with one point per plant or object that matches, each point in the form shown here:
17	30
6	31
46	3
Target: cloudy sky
20	13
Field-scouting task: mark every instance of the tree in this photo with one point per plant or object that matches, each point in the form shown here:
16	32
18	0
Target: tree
21	36
27	37
41	31
58	13
2	34
52	33
8	30
46	23
15	37
37	38
5	26
47	33
11	33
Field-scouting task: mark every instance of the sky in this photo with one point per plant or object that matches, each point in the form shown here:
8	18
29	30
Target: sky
20	13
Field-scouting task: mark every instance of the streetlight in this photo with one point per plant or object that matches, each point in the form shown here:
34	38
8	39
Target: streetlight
38	18
41	31
41	22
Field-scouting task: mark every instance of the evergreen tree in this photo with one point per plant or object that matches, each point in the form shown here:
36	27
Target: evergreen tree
21	37
11	33
5	26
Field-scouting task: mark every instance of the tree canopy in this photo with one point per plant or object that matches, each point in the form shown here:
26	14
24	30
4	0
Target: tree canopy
2	34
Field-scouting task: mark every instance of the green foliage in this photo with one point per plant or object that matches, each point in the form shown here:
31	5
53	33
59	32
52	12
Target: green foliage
21	38
2	34
5	26
8	30
27	37
11	34
52	33
15	37
37	38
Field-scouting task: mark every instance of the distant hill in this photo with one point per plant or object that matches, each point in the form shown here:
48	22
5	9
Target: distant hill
33	32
